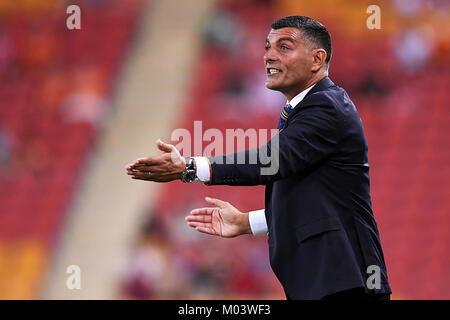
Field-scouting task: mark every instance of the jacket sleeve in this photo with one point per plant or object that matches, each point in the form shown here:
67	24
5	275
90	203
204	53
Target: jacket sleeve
310	137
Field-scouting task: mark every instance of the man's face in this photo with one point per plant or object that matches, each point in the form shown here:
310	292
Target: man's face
287	60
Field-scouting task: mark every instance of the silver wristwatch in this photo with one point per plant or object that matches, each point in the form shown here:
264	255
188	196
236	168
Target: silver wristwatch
190	174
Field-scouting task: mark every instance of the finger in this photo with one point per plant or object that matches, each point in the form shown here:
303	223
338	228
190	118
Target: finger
194	224
142	175
146	169
131	172
164	146
202	227
202	218
143	162
132	168
154	176
137	161
191	225
204	211
139	170
150	161
136	165
216	202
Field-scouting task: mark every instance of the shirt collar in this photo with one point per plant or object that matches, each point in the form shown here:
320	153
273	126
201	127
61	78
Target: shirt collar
298	98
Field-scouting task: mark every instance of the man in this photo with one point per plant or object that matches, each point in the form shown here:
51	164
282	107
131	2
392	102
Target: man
322	235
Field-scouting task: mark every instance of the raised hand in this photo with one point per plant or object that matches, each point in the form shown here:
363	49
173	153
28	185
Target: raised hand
223	220
164	168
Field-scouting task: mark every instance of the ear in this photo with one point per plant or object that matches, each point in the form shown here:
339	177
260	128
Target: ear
319	56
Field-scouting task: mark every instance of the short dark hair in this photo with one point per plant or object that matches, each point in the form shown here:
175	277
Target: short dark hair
313	30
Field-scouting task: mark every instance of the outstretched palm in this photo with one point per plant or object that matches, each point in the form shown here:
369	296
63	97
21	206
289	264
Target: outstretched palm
224	220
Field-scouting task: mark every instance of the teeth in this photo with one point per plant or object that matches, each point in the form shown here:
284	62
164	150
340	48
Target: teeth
272	71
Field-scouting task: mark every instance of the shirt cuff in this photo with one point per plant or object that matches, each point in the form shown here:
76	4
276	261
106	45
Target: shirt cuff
203	173
258	222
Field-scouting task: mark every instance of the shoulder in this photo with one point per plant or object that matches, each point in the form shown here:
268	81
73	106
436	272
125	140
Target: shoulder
322	108
332	100
321	103
332	96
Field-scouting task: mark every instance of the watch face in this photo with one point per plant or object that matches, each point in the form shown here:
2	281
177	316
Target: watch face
191	175
188	176
190	165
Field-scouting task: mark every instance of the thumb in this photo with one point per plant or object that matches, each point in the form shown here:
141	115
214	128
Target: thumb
216	202
163	146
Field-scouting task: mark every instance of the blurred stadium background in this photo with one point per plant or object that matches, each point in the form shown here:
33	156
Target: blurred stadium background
76	106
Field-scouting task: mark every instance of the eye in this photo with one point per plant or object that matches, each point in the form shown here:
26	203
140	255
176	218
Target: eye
283	47
267	47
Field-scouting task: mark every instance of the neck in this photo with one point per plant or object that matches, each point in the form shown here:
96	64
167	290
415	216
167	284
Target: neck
314	79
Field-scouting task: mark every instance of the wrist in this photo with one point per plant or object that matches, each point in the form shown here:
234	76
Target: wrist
245	223
181	168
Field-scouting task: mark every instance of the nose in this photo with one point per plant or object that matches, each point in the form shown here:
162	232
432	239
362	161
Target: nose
270	56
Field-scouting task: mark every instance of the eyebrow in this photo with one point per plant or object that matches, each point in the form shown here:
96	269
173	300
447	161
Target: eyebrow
282	39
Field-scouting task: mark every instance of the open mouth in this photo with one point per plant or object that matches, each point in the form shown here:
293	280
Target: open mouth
272	71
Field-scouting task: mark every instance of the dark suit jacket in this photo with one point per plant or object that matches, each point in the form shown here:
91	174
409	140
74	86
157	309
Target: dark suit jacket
322	232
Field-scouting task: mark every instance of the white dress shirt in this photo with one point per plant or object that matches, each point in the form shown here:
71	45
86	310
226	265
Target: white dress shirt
257	218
